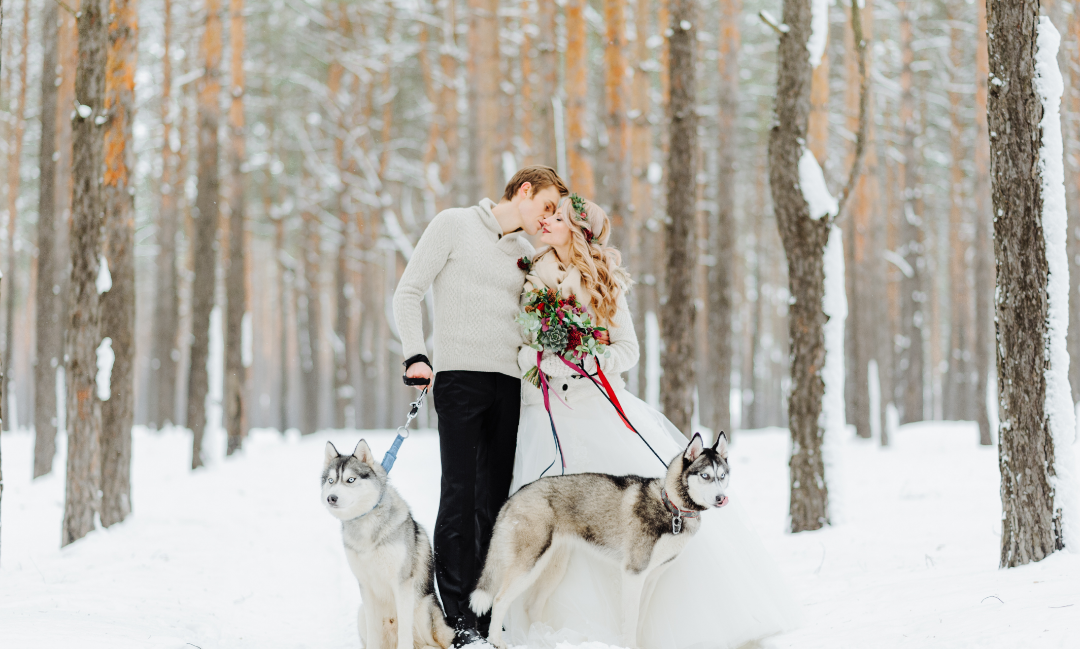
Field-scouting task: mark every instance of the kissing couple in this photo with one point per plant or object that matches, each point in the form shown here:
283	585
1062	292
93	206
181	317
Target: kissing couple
496	429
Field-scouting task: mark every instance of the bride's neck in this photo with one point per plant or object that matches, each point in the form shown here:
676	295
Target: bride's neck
562	254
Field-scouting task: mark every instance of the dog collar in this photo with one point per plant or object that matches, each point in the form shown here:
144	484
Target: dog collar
677	513
373	507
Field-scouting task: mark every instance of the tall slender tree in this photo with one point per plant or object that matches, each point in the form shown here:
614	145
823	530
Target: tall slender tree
118	303
722	230
83	336
984	271
236	278
577	99
615	103
639	242
164	353
1029	247
49	300
206	226
677	315
18	128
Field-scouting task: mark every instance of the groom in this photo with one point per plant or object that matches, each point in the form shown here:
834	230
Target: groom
470	257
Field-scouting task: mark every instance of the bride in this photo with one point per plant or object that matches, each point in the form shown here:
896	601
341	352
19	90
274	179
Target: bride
723	590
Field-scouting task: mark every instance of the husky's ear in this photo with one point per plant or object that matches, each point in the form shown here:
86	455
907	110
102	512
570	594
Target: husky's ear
331	454
697	445
720	446
363	453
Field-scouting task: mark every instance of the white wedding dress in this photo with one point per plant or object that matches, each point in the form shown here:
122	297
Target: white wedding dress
721	592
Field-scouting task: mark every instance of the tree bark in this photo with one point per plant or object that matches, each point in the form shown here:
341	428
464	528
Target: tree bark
984	218
615	92
1031	528
310	328
547	68
235	409
164	352
206	227
642	298
283	324
577	98
448	104
958	392
722	228
804	243
84	330
14	182
49	328
1071	145
118	303
677	315
483	97
909	367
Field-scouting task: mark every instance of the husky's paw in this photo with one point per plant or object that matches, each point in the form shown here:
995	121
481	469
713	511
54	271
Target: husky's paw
480	602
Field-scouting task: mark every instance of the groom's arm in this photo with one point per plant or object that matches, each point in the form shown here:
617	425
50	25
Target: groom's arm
428	259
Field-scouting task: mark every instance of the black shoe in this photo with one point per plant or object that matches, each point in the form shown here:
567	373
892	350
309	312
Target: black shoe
465	636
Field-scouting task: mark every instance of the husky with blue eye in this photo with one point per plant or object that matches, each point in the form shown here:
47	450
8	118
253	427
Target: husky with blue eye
640	523
388	552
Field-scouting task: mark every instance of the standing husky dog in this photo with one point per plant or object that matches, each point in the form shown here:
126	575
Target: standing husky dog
388	552
641	523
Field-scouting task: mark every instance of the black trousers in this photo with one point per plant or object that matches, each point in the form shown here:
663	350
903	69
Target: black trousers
478	422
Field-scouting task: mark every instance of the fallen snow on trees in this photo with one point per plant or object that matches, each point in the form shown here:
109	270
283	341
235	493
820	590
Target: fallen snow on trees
1060	411
814	190
819	31
103	282
105	359
834	304
242	554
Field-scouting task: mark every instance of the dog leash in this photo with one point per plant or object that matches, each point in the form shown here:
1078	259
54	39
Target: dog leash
403	431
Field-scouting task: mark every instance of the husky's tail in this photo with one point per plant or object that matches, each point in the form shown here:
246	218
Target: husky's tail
482	598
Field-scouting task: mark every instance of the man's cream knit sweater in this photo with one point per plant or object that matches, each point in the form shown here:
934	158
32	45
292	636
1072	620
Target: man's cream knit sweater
477	284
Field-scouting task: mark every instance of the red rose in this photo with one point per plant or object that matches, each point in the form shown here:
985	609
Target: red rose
573	340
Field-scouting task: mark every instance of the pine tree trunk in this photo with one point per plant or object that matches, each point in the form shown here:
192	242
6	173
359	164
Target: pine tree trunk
84	330
638	242
913	301
677	315
448	105
235	409
1072	144
958	393
483	97
984	218
547	67
615	92
118	303
577	99
283	325
722	228
164	346
804	243
14	166
310	328
49	328
206	227
1031	528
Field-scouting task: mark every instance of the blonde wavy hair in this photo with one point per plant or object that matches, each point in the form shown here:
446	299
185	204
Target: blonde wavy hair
600	265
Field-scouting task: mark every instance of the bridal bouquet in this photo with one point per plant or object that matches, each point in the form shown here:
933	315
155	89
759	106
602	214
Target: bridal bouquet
559	325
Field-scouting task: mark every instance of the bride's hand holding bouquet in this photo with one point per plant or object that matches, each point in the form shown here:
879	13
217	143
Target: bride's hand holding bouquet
562	326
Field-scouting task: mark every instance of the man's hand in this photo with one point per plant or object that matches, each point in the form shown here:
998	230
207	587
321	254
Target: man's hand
602	337
419	370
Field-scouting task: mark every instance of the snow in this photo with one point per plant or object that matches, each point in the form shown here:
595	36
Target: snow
1060	410
819	31
105	359
834	305
814	190
242	553
104	278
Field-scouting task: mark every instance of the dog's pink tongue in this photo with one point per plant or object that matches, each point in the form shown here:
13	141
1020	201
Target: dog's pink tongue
722	502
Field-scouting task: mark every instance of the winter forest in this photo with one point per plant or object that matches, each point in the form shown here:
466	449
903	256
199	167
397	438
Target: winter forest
853	229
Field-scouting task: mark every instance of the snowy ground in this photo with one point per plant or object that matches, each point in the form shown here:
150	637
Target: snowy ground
242	554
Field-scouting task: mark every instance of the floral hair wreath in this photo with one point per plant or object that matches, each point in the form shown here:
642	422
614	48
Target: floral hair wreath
580	213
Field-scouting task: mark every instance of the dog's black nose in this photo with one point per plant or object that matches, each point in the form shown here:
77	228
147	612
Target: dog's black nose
332	499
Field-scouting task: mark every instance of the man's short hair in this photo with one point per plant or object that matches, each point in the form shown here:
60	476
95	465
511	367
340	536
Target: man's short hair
539	176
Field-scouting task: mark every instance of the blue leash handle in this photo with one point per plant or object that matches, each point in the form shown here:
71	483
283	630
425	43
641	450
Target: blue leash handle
403	432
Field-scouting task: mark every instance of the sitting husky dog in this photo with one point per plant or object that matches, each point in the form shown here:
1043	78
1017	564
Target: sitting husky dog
641	523
388	552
